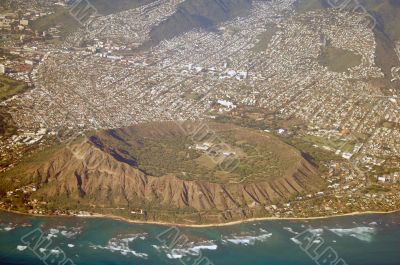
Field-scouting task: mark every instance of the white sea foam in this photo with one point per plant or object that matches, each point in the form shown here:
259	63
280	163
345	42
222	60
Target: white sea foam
7	226
289	229
54	231
121	245
296	241
317	231
69	234
10	226
190	248
361	233
21	248
246	240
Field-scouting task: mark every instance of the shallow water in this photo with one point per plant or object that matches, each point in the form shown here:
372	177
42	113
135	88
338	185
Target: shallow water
360	240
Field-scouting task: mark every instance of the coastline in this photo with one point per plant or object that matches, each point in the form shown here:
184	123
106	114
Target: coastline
238	222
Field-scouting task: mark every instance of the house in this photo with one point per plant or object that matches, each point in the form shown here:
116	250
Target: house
226	104
381	179
346	155
24	22
281	131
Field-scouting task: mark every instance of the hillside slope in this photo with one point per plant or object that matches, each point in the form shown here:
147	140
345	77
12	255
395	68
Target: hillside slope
195	14
98	173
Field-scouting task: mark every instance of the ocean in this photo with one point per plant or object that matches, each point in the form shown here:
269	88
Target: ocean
352	240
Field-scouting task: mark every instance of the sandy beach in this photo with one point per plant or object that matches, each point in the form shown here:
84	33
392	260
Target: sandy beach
119	218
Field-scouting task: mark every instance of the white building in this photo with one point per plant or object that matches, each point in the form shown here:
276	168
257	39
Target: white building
381	179
281	131
346	155
226	103
24	22
2	69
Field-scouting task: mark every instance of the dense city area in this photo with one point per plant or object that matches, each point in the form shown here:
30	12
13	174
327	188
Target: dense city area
274	69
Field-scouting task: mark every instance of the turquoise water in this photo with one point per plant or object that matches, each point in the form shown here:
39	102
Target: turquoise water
361	240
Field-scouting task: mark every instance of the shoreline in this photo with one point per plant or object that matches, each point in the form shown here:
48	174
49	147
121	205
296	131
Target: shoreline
238	222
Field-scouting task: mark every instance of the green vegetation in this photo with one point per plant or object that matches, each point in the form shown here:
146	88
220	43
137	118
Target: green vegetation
315	155
67	24
7	126
387	168
384	13
338	60
262	156
265	38
106	7
19	176
334	143
310	5
60	19
10	87
193	14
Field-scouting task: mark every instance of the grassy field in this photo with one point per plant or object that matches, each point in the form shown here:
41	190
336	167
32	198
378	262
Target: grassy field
10	87
7	126
338	60
387	28
265	38
316	155
61	18
256	155
334	143
309	5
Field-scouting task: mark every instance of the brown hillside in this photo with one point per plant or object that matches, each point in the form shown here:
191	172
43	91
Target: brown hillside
99	172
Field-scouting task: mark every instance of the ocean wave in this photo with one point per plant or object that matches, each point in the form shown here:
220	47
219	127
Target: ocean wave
52	233
316	231
121	245
249	239
289	229
70	234
10	226
64	231
190	248
361	233
296	241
